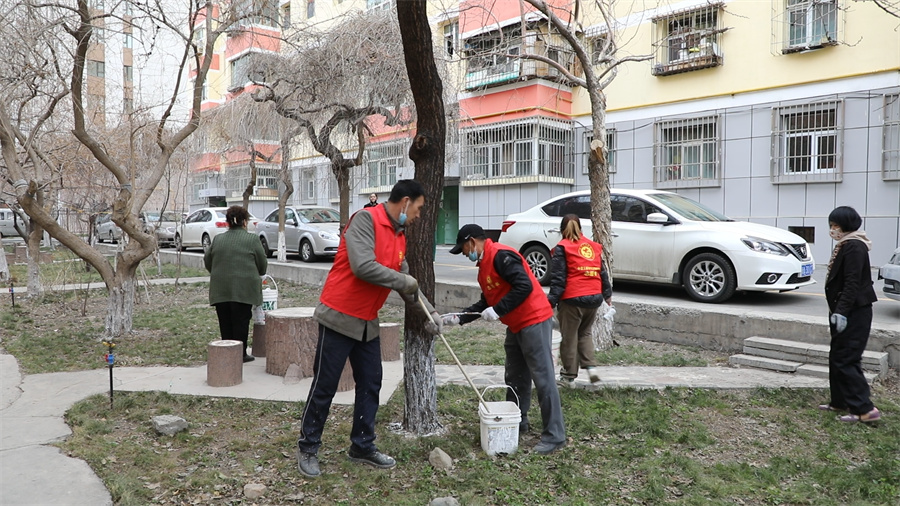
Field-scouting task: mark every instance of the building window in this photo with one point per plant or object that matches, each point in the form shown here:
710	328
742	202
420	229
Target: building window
128	105
309	185
598	49
535	150
128	73
891	164
610	146
286	17
809	24
129	41
687	153
266	12
382	164
379	5
95	68
806	141
687	41
129	8
490	58
310	9
240	72
451	37
807	233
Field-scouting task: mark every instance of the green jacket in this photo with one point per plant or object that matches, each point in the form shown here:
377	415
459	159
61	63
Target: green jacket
235	262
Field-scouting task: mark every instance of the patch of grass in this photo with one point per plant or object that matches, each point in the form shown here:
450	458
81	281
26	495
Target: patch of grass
625	446
635	355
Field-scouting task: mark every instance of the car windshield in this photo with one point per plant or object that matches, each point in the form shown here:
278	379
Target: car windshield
320	215
170	216
688	208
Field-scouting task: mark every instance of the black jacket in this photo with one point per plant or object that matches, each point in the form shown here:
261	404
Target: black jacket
849	283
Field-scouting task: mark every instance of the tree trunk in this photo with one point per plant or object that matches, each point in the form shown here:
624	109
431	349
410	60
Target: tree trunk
120	308
427	151
4	266
33	249
601	213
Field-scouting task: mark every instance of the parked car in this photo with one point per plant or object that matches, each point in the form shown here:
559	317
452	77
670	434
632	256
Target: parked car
313	232
163	227
202	225
106	230
664	237
890	273
8	220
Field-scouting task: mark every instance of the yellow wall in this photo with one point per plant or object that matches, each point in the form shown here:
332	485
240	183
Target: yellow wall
870	44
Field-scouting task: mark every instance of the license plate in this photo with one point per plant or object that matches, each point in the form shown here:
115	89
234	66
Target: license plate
806	270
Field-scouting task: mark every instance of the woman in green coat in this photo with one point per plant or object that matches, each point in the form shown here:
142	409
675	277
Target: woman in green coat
235	262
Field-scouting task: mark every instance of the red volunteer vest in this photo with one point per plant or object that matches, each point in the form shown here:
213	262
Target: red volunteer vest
345	292
582	268
534	309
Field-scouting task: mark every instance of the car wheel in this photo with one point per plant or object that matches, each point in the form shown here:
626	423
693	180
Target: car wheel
205	242
538	259
709	277
265	245
178	245
307	254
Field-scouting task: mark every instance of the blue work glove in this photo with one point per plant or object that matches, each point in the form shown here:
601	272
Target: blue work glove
490	315
839	321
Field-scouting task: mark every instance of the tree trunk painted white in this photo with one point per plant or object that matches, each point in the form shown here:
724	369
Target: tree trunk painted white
120	308
602	330
33	251
282	250
4	266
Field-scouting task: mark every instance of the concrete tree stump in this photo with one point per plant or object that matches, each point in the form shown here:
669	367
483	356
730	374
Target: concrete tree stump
225	363
259	340
390	341
291	337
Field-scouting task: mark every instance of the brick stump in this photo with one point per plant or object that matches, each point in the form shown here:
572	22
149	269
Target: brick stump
225	363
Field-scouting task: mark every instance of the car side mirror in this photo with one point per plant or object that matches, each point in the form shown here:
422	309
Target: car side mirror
657	218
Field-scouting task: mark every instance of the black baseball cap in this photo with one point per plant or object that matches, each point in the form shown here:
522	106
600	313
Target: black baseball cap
465	233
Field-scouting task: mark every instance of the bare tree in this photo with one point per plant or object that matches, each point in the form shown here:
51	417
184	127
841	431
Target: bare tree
45	74
336	85
428	153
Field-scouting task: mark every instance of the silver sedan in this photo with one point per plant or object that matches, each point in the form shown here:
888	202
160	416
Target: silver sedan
312	232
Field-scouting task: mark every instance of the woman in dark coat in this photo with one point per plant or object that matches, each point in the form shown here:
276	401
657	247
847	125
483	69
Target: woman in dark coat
849	293
235	262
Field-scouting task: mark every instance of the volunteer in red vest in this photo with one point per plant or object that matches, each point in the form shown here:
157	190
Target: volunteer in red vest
511	294
370	262
579	284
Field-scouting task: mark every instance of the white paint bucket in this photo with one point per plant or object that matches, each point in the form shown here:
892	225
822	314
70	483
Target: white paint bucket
499	425
555	340
270	300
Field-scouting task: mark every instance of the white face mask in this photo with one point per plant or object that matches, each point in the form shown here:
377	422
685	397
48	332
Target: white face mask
836	234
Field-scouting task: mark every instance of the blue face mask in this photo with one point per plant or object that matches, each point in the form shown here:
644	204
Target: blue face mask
402	218
473	255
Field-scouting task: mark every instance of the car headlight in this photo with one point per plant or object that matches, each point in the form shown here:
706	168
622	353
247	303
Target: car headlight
328	236
765	246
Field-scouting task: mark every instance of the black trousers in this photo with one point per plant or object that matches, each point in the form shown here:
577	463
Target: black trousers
234	321
332	352
849	388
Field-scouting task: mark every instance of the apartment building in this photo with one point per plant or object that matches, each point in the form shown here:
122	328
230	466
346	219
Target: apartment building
769	111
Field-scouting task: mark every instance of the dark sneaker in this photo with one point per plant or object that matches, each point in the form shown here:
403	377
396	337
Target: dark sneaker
524	427
544	448
308	464
249	358
374	459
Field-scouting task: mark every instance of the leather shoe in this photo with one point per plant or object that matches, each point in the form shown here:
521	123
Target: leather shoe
308	464
249	358
545	448
374	459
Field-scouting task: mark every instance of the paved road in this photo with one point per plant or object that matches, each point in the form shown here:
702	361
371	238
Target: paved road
808	300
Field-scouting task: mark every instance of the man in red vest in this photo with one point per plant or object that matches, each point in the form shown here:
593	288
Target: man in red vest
370	262
512	294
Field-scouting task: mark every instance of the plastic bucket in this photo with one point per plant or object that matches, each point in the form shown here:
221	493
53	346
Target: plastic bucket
270	300
555	339
499	425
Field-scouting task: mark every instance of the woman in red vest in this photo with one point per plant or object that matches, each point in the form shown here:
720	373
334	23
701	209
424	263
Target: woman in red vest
511	294
579	284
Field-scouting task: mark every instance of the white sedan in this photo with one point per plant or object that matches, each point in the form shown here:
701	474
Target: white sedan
664	237
890	273
202	225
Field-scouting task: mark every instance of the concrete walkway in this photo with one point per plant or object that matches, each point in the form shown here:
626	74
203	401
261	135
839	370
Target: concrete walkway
34	472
